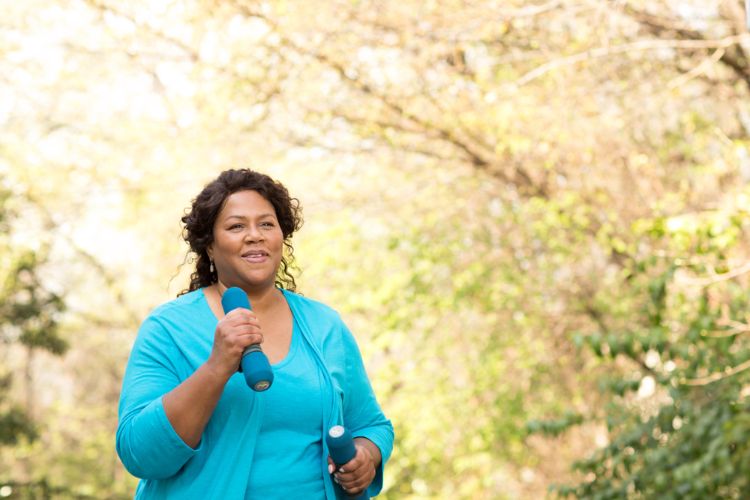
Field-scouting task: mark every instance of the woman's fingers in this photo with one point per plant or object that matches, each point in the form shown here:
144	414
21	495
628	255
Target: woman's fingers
358	473
241	316
234	333
239	321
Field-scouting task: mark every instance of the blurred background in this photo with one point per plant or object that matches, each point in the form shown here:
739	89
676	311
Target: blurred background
532	214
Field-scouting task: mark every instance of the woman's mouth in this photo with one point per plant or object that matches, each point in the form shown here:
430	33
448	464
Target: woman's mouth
255	256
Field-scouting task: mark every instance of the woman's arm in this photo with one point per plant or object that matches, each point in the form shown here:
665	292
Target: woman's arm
146	442
372	449
190	405
372	431
162	418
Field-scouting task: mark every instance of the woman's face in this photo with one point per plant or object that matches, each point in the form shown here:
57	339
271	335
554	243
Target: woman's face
248	242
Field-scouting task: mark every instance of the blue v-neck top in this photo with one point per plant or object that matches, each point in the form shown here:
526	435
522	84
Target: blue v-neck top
173	341
293	414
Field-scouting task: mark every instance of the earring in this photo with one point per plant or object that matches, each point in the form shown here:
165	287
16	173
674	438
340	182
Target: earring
211	268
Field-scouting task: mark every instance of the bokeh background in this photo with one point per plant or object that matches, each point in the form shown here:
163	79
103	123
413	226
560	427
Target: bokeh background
532	214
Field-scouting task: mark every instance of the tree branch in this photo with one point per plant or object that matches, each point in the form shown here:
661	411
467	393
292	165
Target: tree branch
661	26
472	152
640	45
718	278
715	377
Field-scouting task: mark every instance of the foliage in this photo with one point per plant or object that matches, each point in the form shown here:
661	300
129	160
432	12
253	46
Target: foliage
29	319
29	312
677	416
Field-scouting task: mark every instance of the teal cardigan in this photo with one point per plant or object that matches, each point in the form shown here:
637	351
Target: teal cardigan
173	341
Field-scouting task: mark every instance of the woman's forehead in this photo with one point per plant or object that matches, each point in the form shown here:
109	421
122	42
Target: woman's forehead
246	203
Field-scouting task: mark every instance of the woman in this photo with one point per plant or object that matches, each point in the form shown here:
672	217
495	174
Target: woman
189	425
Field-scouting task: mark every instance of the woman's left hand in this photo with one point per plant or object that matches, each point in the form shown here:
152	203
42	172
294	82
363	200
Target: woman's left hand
357	474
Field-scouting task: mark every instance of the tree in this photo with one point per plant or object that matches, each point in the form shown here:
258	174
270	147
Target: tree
29	321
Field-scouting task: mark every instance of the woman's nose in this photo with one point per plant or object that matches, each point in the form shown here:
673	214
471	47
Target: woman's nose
253	233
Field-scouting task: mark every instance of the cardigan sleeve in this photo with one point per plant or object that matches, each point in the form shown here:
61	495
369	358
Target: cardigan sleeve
362	413
146	442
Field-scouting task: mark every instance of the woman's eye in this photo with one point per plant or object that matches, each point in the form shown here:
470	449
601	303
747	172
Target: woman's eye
267	224
234	227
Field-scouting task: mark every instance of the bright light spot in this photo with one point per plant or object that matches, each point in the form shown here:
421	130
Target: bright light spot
5	491
496	207
176	77
527	475
250	29
419	486
676	224
669	366
6	105
676	423
118	24
186	117
647	388
652	358
212	50
600	439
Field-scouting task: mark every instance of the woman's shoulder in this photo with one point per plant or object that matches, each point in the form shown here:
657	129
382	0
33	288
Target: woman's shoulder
179	306
311	307
323	323
183	315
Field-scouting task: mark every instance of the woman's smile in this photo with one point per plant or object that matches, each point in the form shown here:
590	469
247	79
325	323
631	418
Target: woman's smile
255	256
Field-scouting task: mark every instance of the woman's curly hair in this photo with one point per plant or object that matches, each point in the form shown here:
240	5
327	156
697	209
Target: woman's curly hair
198	229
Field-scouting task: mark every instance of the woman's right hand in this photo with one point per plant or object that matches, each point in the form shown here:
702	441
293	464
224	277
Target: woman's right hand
235	331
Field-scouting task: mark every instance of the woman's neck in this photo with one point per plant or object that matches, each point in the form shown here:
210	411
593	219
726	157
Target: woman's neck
261	300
